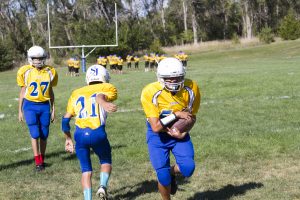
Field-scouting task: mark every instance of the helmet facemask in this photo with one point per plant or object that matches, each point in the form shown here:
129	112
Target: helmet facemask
37	62
172	84
36	56
170	74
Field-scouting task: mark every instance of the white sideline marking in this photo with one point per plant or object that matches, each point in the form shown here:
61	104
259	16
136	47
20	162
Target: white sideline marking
22	149
19	150
128	110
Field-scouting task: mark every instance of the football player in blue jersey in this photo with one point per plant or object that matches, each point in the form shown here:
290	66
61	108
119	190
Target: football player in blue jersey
89	105
36	100
172	97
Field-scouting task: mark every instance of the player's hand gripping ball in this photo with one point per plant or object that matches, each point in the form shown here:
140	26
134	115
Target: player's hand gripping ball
183	125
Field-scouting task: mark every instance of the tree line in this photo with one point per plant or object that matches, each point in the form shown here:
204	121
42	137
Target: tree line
143	25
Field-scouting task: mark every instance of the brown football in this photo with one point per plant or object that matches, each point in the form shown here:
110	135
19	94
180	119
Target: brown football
183	125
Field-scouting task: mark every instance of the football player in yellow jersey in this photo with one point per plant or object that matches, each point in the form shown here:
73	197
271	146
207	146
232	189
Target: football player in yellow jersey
120	65
146	59
136	60
103	62
76	65
183	58
90	105
36	100
171	97
128	60
70	66
151	59
99	60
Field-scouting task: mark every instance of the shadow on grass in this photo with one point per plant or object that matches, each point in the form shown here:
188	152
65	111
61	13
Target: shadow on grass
29	161
226	192
48	155
133	191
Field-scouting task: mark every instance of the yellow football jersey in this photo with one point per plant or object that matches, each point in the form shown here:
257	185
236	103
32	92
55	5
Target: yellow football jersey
120	61
99	61
156	100
146	58
70	62
76	64
82	104
103	61
37	82
183	57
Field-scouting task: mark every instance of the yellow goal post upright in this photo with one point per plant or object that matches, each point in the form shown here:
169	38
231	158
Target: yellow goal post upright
82	46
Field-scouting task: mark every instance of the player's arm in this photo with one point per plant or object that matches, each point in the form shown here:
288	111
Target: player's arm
174	132
52	100
65	125
159	125
106	105
21	98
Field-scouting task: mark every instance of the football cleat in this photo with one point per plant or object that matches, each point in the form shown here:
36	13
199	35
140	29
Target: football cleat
174	186
39	168
102	193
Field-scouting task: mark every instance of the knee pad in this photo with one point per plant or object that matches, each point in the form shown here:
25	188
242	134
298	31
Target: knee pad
44	132
187	169
34	131
164	176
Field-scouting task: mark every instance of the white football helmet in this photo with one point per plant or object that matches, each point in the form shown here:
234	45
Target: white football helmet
97	73
36	56
171	68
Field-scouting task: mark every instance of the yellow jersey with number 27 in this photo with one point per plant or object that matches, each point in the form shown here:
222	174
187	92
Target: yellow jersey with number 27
37	82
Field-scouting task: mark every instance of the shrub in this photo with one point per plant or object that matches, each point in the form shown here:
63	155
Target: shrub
6	57
156	47
289	28
266	35
235	38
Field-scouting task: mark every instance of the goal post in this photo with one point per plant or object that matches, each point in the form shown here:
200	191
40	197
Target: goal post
83	46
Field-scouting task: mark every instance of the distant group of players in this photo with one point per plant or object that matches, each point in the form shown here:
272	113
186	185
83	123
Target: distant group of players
151	61
116	62
73	66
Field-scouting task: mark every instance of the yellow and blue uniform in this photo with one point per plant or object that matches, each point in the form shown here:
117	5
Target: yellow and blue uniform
146	59
76	65
70	64
157	101
128	60
182	57
36	105
90	119
102	61
136	61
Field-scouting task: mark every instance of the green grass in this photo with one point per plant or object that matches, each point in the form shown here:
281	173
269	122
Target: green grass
246	138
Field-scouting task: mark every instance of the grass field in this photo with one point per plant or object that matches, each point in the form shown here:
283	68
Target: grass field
246	140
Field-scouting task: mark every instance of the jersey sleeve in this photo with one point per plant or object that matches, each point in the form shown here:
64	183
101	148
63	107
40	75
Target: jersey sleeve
70	107
109	91
55	77
196	104
21	76
149	107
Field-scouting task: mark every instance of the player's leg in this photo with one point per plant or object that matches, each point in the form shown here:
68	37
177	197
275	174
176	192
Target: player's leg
83	154
31	117
44	123
160	160
102	148
184	154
